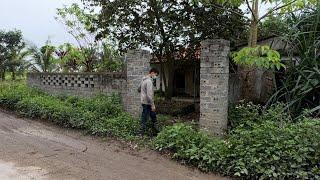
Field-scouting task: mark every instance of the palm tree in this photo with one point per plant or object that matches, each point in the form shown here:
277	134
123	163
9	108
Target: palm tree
43	59
18	62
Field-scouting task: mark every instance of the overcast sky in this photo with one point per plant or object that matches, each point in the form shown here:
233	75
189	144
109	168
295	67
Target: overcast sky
35	18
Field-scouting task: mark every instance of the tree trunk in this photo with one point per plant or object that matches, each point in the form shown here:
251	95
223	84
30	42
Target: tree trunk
2	75
162	77
13	75
250	77
170	79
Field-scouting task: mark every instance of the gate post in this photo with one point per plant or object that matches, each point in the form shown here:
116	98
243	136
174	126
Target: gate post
214	77
138	65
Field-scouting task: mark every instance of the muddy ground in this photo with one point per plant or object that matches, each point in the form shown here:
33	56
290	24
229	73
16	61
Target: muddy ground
37	150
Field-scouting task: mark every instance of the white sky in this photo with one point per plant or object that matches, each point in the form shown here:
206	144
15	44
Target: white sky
35	18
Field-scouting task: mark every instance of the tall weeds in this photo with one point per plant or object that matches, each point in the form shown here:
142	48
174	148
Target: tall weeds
300	88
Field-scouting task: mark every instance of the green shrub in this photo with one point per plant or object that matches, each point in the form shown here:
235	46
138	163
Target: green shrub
271	151
248	114
102	106
123	126
267	151
11	94
192	146
48	107
101	114
244	114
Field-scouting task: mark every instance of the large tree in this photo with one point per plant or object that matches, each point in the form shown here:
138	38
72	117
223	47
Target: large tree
252	57
79	23
11	42
165	27
43	59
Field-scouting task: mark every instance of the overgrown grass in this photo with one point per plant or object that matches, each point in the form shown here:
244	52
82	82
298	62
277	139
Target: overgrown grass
262	143
268	151
101	115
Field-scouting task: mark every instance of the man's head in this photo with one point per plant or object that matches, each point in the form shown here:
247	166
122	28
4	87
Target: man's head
153	72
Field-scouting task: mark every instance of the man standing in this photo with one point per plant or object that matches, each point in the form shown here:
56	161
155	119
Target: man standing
147	101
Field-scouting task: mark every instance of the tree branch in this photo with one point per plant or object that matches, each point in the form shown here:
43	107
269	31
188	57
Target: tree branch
254	17
275	9
229	10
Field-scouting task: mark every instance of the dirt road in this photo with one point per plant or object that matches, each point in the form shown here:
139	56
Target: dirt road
37	150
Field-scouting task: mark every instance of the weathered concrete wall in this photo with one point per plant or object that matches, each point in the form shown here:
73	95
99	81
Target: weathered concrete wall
234	88
90	84
78	84
137	66
214	83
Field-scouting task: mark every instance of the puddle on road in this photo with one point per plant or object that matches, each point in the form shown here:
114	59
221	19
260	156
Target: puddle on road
8	171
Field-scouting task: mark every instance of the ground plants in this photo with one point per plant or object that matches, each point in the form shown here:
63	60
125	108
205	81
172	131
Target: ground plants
100	115
262	144
246	115
266	151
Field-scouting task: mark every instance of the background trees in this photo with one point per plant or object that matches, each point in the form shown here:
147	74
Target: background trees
250	76
12	54
165	27
80	24
43	59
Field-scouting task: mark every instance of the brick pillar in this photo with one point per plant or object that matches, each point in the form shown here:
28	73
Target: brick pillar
138	65
214	77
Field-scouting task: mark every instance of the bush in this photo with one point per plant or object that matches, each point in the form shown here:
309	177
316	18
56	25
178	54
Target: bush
267	151
102	115
51	108
248	114
102	106
11	94
194	147
122	126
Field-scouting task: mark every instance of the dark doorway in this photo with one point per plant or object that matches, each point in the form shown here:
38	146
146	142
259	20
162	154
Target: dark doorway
179	82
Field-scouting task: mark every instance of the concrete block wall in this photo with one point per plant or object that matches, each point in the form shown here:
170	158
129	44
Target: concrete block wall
214	86
78	84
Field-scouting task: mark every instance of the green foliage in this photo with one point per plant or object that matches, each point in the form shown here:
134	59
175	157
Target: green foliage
110	60
101	115
104	106
246	115
261	56
10	94
164	26
43	59
69	57
300	88
12	53
79	23
47	107
190	145
267	151
270	151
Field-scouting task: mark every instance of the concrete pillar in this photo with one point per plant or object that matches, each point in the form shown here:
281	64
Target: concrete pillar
138	65
214	77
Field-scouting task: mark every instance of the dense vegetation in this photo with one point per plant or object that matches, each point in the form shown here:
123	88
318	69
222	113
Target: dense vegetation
278	141
259	146
300	85
102	115
262	143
